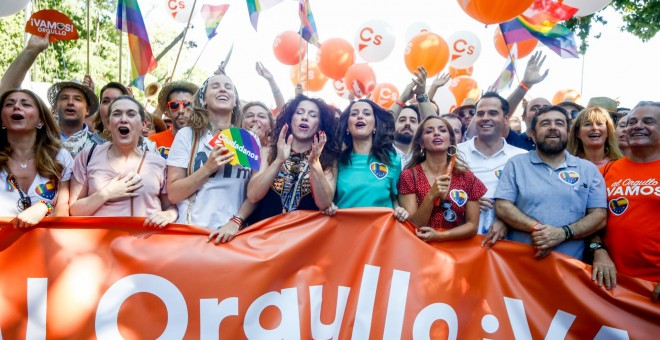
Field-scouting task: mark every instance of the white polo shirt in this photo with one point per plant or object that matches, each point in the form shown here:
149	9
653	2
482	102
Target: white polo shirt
488	170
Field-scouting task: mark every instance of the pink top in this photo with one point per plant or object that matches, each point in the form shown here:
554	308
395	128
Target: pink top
98	173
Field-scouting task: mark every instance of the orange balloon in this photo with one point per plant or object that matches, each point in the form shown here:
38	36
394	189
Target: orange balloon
385	94
335	56
494	11
525	48
464	87
311	78
566	94
456	72
287	48
360	79
429	50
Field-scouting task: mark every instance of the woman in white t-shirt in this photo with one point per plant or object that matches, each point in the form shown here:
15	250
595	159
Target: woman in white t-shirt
34	167
207	190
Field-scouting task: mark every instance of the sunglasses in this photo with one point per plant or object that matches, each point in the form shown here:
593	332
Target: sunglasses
464	113
574	113
448	214
24	202
175	104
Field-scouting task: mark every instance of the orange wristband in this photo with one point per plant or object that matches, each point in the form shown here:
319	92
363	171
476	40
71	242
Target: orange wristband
524	86
400	103
535	224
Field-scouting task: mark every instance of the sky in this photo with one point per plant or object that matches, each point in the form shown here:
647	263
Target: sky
617	65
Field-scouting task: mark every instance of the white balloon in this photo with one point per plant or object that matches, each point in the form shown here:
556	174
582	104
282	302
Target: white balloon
180	9
464	49
415	29
10	7
374	40
445	100
587	7
340	88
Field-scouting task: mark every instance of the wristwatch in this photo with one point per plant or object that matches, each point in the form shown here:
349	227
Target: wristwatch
422	98
593	246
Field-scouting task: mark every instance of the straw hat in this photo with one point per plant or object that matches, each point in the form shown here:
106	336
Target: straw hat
179	85
92	99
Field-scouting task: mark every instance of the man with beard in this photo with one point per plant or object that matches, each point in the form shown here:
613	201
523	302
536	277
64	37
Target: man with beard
174	100
549	198
404	130
486	154
73	102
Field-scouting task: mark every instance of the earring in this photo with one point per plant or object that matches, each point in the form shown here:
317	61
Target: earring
4	127
374	132
347	133
39	126
421	150
454	150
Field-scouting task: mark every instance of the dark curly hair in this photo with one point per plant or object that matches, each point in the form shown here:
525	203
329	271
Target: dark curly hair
382	147
327	124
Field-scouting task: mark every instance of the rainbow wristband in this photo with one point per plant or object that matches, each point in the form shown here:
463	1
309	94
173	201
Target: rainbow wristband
50	207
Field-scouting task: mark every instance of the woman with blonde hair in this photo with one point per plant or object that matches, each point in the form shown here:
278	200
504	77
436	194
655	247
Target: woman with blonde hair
593	137
34	166
440	192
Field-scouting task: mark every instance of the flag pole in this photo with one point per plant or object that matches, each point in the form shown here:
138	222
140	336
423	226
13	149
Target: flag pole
184	39
121	45
88	37
307	67
199	56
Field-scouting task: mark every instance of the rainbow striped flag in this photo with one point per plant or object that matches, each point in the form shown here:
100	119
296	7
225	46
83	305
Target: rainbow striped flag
506	77
307	24
212	16
129	20
257	6
556	36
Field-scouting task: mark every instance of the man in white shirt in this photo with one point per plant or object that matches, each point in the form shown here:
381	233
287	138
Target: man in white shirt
486	155
405	127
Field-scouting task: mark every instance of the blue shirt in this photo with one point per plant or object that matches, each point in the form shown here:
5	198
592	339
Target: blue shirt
554	197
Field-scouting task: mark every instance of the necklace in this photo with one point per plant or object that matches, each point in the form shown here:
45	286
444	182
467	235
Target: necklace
23	165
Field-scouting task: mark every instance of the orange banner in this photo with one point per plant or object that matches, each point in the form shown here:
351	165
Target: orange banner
359	275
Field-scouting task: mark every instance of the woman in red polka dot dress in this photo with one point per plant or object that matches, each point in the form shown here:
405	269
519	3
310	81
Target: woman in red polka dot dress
444	206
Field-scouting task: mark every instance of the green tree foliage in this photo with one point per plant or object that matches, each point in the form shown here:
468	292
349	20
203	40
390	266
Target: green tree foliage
65	60
641	18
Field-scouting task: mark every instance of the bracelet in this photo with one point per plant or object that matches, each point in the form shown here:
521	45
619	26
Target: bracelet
566	233
276	91
535	224
422	98
50	207
238	220
400	103
571	232
523	86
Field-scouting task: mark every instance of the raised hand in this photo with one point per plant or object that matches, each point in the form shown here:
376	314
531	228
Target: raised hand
441	80
420	81
533	74
37	44
318	142
263	72
284	144
440	186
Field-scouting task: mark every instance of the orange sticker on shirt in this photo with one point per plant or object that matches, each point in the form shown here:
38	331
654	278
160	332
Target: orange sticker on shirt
51	21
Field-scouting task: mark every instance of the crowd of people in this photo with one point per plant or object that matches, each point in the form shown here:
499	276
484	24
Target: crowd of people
577	180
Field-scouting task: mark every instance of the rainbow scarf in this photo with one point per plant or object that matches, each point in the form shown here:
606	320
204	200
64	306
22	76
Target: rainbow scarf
307	24
212	16
129	20
257	6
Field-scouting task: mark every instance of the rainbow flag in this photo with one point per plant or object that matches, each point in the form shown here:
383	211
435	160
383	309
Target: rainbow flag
212	16
257	6
548	11
505	79
307	24
129	20
556	36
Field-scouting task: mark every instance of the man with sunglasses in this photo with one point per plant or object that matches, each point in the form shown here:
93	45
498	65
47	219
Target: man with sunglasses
465	112
174	100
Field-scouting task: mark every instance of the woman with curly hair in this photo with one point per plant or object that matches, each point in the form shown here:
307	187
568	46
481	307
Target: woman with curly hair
34	167
298	172
444	205
593	137
369	167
